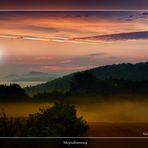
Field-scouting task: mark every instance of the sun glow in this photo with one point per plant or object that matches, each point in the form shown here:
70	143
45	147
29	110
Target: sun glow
1	55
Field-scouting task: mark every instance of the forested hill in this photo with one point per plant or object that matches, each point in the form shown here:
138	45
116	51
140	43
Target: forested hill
133	72
128	71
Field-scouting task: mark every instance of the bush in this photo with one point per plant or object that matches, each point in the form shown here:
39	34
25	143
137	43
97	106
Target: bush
59	120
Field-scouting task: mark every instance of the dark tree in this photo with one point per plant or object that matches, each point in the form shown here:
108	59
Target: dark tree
59	120
12	92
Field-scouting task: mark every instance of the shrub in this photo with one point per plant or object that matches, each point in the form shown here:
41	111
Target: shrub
59	120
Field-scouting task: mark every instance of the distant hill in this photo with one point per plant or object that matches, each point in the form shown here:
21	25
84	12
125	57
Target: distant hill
134	72
31	76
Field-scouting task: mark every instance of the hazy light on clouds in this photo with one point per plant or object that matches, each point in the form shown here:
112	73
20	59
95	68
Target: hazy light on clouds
71	41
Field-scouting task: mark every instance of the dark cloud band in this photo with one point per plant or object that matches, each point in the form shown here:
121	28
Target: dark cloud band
120	36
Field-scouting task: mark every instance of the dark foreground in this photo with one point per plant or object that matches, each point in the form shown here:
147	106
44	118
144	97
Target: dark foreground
58	143
106	135
118	129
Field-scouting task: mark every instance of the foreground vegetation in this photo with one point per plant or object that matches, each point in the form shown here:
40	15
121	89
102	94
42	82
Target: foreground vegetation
59	120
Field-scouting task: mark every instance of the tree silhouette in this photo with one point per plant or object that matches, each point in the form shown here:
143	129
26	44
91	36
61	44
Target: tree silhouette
60	120
12	92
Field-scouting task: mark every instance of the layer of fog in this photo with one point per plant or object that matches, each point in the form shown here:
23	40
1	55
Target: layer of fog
109	111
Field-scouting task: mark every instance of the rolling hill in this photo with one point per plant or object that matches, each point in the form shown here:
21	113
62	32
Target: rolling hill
134	72
31	76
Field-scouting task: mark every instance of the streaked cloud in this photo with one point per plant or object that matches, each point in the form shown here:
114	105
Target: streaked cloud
96	54
137	16
119	36
109	37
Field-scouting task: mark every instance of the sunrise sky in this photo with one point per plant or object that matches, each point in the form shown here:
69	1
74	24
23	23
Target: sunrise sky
64	42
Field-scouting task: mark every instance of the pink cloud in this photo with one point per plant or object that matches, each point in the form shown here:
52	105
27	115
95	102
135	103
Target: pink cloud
67	68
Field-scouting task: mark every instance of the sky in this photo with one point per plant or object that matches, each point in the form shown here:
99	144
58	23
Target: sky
73	4
64	42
